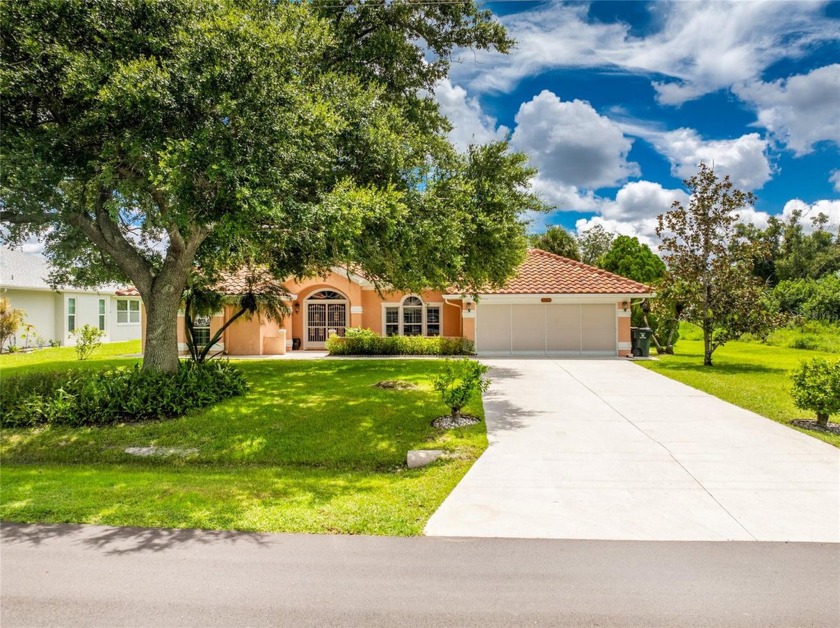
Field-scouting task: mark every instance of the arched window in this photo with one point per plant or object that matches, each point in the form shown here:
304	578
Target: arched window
412	317
328	295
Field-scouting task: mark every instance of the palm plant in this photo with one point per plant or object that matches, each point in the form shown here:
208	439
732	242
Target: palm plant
261	295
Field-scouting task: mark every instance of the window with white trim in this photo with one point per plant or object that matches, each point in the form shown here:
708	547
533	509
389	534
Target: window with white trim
128	311
101	314
201	331
71	314
412	318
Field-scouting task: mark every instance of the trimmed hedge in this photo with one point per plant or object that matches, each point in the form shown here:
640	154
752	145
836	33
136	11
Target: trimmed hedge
84	397
365	342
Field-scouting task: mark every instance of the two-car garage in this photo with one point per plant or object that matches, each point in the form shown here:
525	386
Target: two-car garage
546	328
554	306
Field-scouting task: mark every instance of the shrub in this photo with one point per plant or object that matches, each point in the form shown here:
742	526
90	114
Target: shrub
816	387
10	321
78	398
459	381
817	299
366	342
88	339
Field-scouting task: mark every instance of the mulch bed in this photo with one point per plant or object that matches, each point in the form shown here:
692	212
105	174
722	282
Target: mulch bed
448	423
833	428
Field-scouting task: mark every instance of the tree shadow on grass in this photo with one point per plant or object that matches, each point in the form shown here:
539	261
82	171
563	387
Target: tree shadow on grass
722	369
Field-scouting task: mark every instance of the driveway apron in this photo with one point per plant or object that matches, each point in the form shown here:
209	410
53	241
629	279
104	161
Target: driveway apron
605	449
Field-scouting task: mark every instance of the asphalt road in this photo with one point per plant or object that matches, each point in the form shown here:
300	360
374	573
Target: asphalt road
97	576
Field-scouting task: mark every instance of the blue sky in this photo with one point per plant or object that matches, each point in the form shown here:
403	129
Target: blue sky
617	102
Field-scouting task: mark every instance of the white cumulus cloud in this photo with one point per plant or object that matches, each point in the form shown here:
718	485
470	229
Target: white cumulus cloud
640	200
798	111
744	159
572	145
830	208
834	179
470	123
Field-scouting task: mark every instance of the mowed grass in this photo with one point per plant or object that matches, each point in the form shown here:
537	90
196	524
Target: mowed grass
750	375
59	358
313	447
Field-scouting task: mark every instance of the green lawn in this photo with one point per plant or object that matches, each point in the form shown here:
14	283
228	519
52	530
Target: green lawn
313	447
748	374
108	354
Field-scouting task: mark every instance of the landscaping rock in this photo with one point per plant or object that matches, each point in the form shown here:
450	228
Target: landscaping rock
396	384
421	457
810	424
160	451
448	423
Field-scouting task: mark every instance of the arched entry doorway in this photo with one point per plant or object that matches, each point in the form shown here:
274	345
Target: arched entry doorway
324	311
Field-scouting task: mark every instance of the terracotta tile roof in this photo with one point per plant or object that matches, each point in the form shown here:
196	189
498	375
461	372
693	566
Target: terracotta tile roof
235	284
546	273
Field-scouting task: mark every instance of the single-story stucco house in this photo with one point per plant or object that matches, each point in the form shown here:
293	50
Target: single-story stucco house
552	306
54	313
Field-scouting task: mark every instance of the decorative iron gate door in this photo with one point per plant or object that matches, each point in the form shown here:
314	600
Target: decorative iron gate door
325	311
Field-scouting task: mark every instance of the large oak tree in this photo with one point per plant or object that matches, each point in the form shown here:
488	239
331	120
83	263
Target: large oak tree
146	139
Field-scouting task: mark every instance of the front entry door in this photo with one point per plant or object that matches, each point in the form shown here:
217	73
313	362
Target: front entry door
324	315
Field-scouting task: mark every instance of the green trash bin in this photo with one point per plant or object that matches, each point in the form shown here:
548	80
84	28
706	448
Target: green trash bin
641	341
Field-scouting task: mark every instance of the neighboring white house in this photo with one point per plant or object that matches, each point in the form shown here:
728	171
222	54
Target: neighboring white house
55	313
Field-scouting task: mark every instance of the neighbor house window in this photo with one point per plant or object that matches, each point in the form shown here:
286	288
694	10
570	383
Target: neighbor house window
201	330
128	311
101	314
71	314
412	318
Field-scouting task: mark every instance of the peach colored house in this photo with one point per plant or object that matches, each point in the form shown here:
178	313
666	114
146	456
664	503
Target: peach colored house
553	306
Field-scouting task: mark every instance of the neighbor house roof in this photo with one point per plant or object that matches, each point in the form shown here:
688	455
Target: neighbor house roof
22	270
546	273
25	271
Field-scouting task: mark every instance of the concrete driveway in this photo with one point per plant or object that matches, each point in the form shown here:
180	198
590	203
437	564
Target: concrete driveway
605	449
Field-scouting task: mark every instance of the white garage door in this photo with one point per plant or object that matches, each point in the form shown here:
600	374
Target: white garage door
546	329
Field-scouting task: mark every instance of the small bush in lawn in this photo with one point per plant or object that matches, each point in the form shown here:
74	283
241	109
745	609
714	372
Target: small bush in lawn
78	398
358	341
459	381
88	339
816	387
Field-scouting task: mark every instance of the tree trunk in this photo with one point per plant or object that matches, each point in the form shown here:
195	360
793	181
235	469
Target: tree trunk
707	329
659	348
822	419
162	304
456	413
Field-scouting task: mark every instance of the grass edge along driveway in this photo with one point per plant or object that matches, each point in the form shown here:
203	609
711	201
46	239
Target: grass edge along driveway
313	447
747	374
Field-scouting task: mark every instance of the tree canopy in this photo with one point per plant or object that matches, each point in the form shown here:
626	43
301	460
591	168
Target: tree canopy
789	252
146	139
710	269
557	240
594	244
630	258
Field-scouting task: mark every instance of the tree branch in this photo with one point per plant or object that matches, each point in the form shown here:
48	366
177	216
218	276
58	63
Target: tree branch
17	218
106	234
